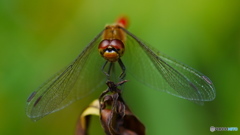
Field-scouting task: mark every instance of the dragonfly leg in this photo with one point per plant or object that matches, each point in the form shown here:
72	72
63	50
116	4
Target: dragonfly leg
109	69
123	74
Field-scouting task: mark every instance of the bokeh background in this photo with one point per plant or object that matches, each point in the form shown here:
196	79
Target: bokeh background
38	38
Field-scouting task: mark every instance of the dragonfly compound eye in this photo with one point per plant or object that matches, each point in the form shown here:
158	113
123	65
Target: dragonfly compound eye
111	50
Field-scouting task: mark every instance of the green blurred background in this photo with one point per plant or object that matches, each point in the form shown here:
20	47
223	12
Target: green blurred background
38	38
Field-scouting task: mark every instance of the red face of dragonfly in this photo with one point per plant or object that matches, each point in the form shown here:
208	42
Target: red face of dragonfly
112	45
111	50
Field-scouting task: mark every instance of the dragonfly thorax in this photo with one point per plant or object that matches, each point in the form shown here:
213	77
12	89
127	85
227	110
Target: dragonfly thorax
111	50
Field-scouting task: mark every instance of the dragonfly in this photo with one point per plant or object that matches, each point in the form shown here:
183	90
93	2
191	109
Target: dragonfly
117	48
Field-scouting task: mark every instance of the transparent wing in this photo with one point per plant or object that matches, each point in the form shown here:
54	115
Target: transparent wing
70	84
163	73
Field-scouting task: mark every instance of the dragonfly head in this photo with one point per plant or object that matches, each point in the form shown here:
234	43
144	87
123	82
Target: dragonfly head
111	50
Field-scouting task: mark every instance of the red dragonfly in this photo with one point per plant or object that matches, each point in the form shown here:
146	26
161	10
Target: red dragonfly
120	47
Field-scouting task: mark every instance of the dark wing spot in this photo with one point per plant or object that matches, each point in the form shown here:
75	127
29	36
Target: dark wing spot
37	101
207	79
31	96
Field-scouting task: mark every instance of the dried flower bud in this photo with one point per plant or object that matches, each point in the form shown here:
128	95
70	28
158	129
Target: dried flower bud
115	116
